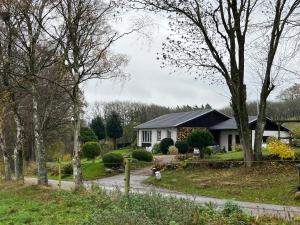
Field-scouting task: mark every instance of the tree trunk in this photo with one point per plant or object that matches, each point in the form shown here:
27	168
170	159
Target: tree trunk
19	146
7	167
38	142
77	172
259	131
239	107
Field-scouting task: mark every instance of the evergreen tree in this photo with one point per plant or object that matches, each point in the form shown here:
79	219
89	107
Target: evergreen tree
87	135
98	127
114	128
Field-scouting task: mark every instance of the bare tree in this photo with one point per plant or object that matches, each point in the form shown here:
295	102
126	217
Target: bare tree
210	38
85	38
34	55
8	65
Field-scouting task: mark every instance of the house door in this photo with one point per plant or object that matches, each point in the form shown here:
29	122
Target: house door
229	142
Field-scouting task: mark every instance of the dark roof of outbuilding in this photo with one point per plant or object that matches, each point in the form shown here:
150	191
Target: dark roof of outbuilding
173	119
230	124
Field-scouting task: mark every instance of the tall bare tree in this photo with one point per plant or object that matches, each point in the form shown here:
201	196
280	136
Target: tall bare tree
211	38
8	65
85	38
34	55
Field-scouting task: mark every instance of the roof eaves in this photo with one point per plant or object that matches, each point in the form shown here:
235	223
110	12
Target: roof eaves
195	117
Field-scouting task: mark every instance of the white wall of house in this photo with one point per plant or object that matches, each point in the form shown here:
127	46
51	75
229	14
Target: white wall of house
154	137
271	133
224	137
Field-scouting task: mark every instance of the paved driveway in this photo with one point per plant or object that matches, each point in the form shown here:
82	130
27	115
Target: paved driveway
137	186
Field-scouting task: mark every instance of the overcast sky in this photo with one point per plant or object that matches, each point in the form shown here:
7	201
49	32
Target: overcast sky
149	83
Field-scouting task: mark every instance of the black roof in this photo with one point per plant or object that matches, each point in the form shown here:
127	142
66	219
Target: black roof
230	124
173	119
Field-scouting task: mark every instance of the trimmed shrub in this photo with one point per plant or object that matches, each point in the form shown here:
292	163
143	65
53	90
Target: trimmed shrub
67	169
87	135
173	150
165	144
112	160
200	139
91	150
142	155
182	147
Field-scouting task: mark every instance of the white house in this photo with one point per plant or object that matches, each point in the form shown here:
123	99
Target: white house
178	125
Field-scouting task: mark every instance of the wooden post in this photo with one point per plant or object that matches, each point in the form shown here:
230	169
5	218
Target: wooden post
127	175
59	173
23	166
279	128
1	171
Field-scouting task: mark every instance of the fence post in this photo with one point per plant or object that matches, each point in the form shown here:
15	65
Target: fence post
59	173
127	175
23	167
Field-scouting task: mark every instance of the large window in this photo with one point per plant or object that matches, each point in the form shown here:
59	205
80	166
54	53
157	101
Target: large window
158	135
146	136
169	133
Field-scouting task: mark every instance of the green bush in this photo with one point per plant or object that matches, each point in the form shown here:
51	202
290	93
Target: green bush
182	147
165	144
87	135
208	151
142	155
112	160
91	150
230	208
155	148
200	139
67	168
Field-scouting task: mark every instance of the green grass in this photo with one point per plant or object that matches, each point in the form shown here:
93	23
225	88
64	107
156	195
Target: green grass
238	155
94	169
270	183
20	205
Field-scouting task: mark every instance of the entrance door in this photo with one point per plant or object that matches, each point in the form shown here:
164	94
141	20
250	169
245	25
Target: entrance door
229	142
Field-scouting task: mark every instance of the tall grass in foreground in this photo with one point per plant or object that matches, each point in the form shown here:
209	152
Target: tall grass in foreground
42	206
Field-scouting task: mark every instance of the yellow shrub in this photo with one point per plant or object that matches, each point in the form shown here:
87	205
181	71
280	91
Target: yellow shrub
284	151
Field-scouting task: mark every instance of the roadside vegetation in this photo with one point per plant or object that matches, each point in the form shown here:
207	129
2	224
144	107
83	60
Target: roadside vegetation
34	205
223	175
268	183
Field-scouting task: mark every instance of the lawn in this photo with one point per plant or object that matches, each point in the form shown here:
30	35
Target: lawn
238	155
41	206
270	183
94	169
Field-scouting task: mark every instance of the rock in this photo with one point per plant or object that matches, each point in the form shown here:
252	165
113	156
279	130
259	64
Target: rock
297	195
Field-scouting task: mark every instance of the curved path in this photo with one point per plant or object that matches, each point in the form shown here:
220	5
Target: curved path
137	186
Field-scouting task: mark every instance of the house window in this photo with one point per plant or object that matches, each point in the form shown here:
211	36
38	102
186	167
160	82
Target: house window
169	133
147	136
158	135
